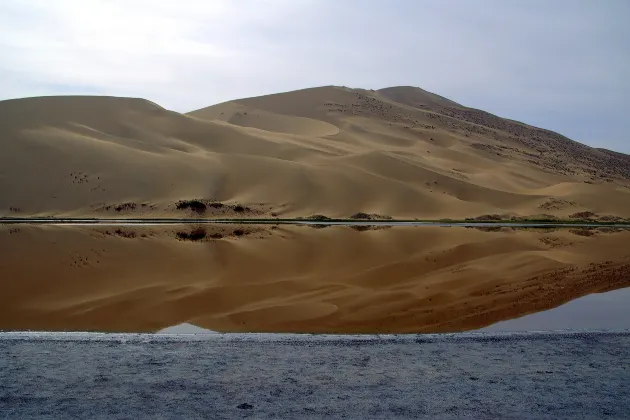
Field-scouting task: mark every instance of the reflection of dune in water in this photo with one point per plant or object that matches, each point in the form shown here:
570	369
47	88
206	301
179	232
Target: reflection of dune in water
246	278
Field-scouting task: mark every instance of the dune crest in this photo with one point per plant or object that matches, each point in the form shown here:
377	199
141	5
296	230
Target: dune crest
401	152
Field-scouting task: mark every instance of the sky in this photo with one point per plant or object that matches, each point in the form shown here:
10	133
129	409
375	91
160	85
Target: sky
563	65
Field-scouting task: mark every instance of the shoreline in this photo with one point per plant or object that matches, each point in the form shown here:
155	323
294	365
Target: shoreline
302	221
306	337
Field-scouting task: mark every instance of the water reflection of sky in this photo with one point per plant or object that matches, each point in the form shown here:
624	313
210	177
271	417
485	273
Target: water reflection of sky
185	329
598	311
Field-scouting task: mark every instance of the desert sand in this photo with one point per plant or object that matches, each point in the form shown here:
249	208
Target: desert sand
297	278
400	152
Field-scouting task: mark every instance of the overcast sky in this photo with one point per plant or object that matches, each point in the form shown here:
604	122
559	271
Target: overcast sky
562	64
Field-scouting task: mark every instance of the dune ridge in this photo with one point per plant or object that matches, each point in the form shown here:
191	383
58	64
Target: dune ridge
401	152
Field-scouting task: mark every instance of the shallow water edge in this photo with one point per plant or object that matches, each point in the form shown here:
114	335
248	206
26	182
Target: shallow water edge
304	338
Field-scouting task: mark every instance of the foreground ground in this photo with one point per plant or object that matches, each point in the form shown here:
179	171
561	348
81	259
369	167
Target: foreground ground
529	376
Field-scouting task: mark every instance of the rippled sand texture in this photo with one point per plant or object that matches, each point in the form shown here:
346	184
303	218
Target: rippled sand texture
297	279
400	152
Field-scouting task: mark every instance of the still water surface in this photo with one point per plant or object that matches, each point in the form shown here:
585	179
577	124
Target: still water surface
312	279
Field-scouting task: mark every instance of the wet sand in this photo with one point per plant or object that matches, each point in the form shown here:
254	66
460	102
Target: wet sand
244	278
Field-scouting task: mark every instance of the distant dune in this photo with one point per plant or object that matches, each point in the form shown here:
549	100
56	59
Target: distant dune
400	152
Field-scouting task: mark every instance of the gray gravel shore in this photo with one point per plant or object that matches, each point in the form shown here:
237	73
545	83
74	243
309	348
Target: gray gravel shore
216	376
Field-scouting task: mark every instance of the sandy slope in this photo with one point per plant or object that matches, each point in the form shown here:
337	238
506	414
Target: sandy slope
401	152
335	279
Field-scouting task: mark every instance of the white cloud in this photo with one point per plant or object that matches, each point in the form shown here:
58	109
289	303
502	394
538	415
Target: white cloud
562	65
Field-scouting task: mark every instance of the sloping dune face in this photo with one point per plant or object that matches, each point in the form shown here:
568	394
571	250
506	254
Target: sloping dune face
416	97
245	116
400	152
297	279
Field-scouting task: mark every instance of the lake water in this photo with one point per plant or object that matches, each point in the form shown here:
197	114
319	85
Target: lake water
608	311
599	311
312	279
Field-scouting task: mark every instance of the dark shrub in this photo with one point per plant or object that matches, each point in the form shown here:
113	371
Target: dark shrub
584	232
196	234
194	205
318	226
318	217
125	207
125	234
487	217
582	215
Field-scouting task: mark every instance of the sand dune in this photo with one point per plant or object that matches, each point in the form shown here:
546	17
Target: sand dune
400	151
415	97
245	116
337	279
